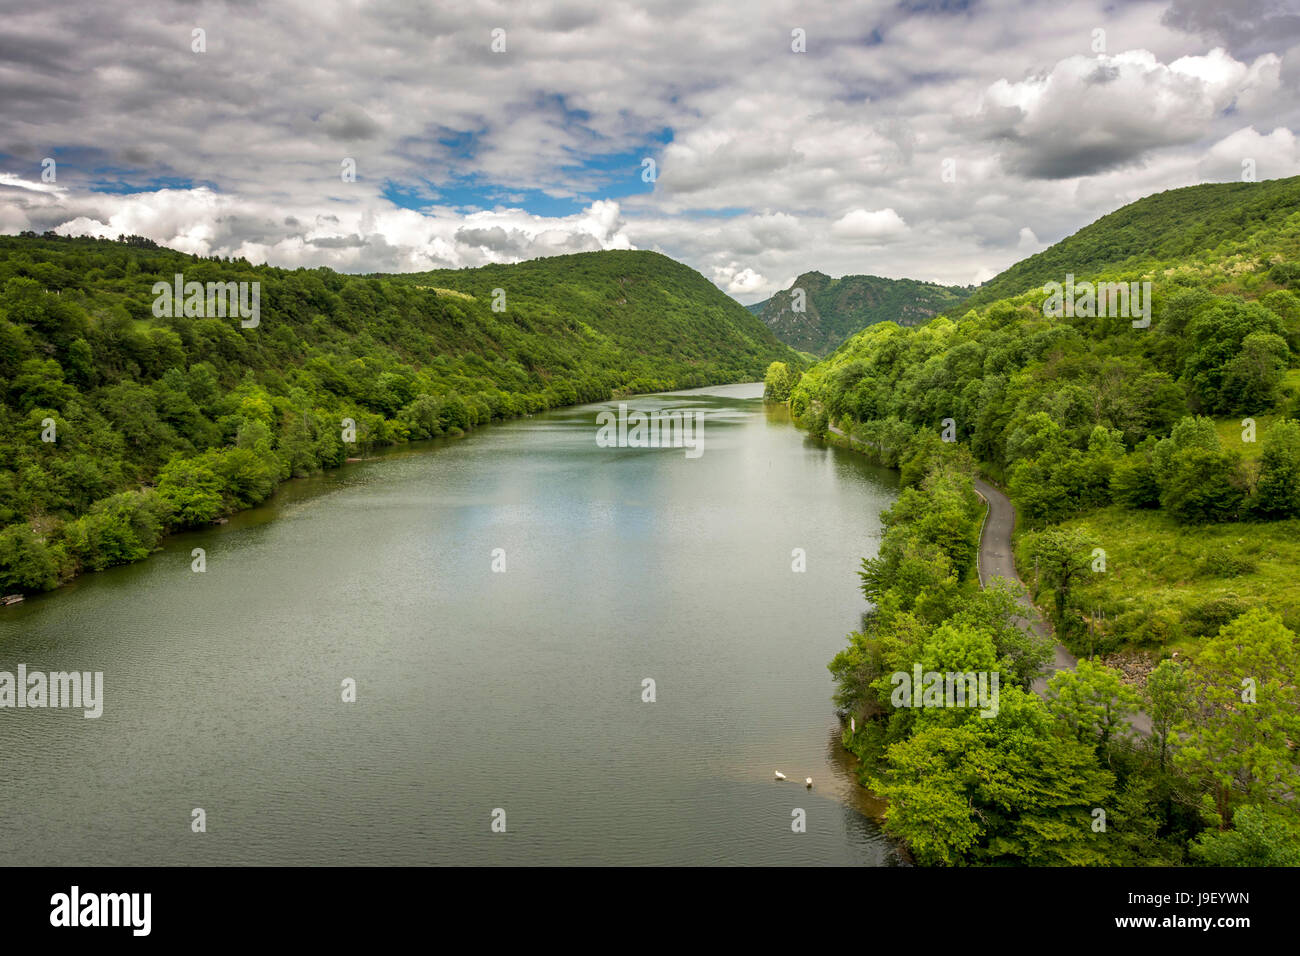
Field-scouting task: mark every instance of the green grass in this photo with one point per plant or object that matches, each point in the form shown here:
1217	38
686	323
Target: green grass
1231	430
1165	583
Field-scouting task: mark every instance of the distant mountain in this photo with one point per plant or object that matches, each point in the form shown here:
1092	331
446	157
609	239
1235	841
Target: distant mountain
656	321
834	309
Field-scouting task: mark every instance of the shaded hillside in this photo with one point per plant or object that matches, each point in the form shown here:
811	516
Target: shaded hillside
836	308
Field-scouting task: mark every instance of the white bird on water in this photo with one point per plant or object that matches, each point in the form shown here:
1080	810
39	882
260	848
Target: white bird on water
808	782
780	775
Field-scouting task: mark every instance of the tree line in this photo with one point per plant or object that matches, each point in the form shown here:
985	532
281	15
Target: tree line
118	425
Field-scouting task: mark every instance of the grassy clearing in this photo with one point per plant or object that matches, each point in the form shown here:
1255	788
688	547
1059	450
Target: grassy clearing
1167	586
1230	432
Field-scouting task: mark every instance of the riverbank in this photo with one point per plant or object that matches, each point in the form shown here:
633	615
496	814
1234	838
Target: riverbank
996	558
475	689
135	524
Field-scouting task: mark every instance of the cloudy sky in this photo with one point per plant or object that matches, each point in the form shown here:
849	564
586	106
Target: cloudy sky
937	140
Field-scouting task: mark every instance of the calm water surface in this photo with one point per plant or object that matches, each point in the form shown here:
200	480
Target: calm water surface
476	690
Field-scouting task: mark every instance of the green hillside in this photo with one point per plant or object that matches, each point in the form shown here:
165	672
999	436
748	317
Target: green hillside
117	425
612	309
834	309
1155	470
1217	218
1135	437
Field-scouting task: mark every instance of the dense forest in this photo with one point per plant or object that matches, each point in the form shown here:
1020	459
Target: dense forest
833	309
1155	469
118	424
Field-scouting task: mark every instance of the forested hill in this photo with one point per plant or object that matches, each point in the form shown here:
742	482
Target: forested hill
1153	456
118	424
622	304
1164	438
1166	227
833	309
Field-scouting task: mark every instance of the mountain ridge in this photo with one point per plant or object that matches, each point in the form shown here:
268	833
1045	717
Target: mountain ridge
1166	225
834	309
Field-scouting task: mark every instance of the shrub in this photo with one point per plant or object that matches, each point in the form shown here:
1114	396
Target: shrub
1203	620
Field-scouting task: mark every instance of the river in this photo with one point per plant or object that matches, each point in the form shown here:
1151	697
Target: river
477	690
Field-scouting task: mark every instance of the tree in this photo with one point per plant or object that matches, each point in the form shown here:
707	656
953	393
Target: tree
1204	486
994	608
1092	702
245	477
1136	825
778	382
1245	711
1190	432
1038	493
1260	836
1062	556
943	511
1033	437
1168	703
192	489
27	563
1233	349
1277	492
928	785
1252	377
820	422
117	530
956	647
1133	482
914	575
1001	790
856	670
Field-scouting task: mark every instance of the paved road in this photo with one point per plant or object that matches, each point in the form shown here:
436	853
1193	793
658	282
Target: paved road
996	560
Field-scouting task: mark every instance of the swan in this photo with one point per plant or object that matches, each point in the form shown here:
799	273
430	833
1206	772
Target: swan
780	775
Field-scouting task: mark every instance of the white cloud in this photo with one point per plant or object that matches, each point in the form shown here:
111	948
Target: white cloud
770	163
746	281
357	238
1089	114
1273	156
861	225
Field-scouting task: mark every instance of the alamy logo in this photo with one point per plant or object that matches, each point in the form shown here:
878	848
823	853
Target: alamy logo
56	689
103	909
951	689
1104	299
216	300
662	429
